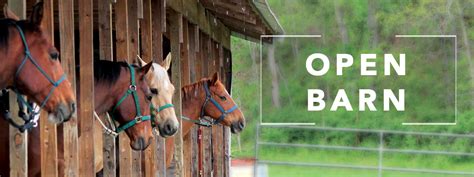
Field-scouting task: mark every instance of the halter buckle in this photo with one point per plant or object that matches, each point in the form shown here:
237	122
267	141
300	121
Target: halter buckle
139	119
133	87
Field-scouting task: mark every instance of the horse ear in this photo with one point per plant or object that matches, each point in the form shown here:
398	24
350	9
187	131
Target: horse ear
37	15
9	13
167	62
144	70
215	78
139	61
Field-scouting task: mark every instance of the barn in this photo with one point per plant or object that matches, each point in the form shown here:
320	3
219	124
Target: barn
196	32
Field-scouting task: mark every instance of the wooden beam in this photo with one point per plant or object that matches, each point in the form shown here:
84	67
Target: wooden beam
148	166
176	23
68	62
185	80
18	141
158	11
109	156
157	23
133	40
48	135
206	132
196	13
86	62
123	54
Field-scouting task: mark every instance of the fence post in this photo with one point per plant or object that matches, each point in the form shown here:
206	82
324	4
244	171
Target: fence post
176	38
18	141
69	129
48	135
380	167
86	79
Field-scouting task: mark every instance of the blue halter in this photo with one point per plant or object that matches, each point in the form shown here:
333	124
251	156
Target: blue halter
29	123
215	103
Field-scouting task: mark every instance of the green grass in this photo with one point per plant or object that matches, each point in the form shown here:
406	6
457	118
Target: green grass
357	158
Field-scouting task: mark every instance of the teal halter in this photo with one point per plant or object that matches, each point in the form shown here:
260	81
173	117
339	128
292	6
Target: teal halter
31	122
159	109
133	91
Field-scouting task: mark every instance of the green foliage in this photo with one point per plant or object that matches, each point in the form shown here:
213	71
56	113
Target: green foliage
392	18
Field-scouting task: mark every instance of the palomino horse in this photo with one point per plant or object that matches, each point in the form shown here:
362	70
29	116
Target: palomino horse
162	90
113	90
209	98
30	65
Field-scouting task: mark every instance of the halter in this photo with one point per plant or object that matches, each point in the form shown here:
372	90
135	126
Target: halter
215	103
31	121
132	90
159	109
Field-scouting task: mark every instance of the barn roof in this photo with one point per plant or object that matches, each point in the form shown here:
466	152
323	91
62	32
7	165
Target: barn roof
245	18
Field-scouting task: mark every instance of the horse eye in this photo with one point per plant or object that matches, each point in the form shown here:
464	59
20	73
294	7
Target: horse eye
54	55
154	91
223	98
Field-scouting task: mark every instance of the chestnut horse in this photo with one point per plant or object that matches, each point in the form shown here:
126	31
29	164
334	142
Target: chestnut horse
209	98
162	91
112	85
30	65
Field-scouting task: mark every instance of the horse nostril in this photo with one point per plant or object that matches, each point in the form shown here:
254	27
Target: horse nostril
241	125
168	128
141	142
73	107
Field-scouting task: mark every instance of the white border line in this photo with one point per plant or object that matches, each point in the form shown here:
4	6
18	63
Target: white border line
261	76
290	35
455	77
287	124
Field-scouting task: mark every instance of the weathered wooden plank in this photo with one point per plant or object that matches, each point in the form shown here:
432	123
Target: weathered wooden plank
148	166
207	132
70	131
176	23
192	135
18	141
18	144
48	135
123	54
133	40
186	79
158	21
86	79
196	13
104	10
227	133
216	129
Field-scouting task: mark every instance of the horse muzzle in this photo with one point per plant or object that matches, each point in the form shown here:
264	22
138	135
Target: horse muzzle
140	144
168	128
237	126
63	112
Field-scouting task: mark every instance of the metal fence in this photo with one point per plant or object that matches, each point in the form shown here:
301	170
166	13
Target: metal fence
380	149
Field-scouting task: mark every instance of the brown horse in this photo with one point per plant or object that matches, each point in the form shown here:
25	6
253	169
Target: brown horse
30	65
112	80
196	107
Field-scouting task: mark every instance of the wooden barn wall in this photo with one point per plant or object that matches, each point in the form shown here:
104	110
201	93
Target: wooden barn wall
200	46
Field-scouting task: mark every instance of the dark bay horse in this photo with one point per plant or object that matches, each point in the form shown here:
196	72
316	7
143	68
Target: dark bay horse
112	82
30	65
207	97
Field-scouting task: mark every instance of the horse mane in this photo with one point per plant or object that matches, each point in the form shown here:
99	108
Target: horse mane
5	23
189	90
108	71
